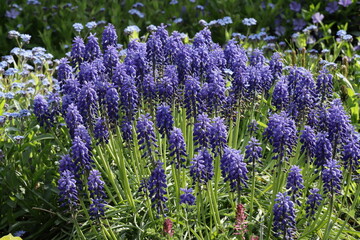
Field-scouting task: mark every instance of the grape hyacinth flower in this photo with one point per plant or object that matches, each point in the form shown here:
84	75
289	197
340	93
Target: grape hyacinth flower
240	221
307	138
284	217
201	169
112	104
66	163
233	169
313	202
324	84
253	127
101	133
323	150
155	52
41	111
281	132
88	73
81	155
126	130
338	124
235	56
64	71
146	136
68	190
302	89
280	98
215	96
157	188
164	119
191	96
97	195
111	59
187	197
177	147
253	151
295	184
129	98
82	132
257	58
276	66
77	51
217	135
87	103
201	129
331	176
73	118
92	49
351	153
109	37
70	87
167	87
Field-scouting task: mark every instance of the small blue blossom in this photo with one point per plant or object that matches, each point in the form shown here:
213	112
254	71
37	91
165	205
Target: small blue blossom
78	27
25	38
130	29
295	6
341	33
13	34
137	13
332	7
91	25
249	21
11	71
347	38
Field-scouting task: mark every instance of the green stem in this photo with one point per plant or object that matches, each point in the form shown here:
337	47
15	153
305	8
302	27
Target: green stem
329	223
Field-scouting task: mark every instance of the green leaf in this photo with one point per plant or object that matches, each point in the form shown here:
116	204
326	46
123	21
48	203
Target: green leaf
345	80
2	104
46	136
354	105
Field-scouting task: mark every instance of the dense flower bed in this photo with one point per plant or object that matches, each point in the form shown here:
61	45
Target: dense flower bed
171	138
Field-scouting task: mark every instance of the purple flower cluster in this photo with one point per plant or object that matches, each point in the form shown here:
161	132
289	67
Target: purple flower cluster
313	202
295	183
332	176
157	188
177	147
201	169
233	169
281	132
284	217
97	194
